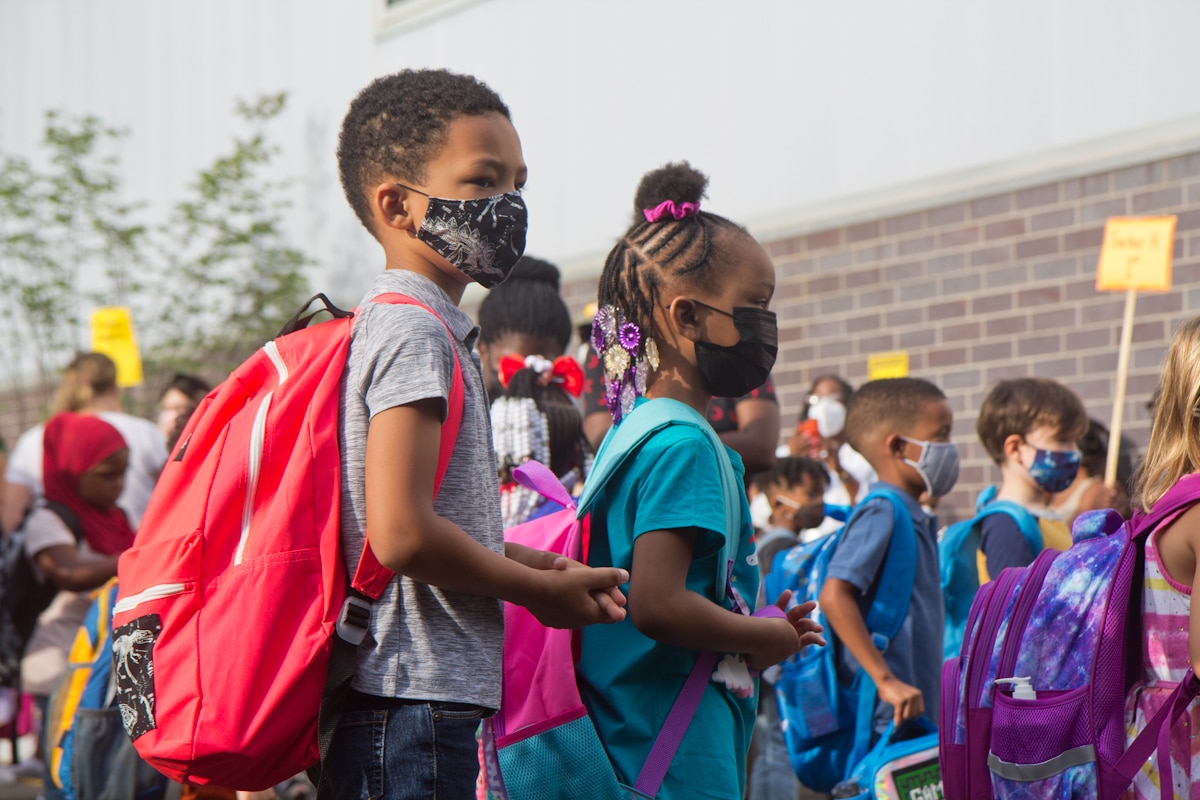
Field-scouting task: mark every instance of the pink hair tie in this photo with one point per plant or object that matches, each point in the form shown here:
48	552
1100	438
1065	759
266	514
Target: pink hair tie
669	207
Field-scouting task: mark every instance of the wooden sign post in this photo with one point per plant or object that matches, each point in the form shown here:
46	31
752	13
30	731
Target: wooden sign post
1136	255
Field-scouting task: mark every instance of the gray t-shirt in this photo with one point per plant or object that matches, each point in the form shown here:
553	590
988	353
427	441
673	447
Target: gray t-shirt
424	643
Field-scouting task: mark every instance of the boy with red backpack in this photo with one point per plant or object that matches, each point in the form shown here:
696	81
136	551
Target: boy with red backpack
432	165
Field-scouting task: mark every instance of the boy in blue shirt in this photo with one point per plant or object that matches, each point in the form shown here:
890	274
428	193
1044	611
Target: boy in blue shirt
1031	429
902	427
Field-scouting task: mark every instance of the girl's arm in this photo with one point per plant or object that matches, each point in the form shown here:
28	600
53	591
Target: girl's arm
664	609
409	538
69	569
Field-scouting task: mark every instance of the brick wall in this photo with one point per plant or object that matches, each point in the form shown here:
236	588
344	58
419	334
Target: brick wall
988	288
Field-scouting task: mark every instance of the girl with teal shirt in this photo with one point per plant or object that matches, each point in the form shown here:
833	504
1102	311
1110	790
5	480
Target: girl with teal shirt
683	318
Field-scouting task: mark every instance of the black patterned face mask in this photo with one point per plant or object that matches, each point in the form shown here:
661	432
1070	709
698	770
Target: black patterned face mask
482	238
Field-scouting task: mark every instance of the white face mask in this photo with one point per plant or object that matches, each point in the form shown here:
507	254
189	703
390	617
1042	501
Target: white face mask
760	511
829	414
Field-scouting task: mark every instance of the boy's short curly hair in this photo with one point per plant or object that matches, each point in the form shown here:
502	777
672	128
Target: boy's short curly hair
886	406
1019	405
398	123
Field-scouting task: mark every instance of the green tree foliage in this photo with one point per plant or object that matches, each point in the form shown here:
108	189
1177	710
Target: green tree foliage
56	226
206	287
231	278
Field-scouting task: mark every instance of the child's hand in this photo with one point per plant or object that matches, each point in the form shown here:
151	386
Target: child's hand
779	647
808	629
905	699
574	596
610	600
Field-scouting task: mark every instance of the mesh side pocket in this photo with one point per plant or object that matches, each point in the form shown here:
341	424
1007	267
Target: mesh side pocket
1035	731
565	761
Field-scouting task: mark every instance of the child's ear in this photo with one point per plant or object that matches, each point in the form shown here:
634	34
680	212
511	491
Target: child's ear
1012	447
394	206
894	443
681	315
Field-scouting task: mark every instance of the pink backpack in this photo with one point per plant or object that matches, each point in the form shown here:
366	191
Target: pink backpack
234	623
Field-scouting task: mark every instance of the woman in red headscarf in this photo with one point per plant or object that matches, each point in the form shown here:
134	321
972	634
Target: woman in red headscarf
74	539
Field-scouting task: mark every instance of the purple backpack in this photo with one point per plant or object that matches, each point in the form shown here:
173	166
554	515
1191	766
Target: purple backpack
1040	714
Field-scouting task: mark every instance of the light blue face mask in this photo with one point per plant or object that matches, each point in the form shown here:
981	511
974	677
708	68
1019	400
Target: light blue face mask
937	466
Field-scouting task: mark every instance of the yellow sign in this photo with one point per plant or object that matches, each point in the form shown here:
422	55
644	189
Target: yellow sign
887	365
1136	254
112	334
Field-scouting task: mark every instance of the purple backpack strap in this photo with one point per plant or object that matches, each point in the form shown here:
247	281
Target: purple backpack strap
663	751
1157	733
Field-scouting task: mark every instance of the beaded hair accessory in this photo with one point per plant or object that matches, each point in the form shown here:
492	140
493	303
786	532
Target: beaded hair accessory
627	355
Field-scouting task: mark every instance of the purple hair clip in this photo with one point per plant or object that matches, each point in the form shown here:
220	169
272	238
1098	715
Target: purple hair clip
678	211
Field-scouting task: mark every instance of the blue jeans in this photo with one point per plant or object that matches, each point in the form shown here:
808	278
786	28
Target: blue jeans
418	750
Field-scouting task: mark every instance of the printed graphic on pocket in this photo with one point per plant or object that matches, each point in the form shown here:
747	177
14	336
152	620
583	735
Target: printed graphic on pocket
133	663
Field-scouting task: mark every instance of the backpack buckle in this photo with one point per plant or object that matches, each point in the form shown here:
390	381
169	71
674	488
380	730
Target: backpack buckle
880	641
353	620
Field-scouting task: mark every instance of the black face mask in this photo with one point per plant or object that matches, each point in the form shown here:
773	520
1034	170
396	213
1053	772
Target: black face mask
738	369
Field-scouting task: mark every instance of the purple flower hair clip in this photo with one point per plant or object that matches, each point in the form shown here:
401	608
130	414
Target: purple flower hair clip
671	208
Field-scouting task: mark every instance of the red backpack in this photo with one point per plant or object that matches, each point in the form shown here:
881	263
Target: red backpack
234	623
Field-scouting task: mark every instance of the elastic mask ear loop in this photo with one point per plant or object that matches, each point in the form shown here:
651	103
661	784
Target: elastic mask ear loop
916	464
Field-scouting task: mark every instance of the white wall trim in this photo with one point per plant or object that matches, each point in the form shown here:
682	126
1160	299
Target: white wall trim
1049	166
408	14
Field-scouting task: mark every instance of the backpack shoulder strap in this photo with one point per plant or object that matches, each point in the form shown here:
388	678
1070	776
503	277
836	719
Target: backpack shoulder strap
634	430
371	577
894	592
68	517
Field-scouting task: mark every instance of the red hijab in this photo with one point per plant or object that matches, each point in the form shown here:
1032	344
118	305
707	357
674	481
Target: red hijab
73	444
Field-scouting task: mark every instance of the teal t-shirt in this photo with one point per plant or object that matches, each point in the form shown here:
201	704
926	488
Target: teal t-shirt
630	681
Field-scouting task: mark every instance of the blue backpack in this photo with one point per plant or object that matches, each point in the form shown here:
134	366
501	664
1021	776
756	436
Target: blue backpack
958	561
828	724
90	753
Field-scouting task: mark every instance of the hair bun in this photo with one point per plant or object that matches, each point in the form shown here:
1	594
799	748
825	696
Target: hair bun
529	268
678	181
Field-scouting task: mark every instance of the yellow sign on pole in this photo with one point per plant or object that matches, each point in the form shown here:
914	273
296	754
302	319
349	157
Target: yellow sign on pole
1136	254
887	365
112	334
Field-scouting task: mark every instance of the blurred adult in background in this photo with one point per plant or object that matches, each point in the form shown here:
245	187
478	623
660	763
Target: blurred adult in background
820	434
89	386
178	401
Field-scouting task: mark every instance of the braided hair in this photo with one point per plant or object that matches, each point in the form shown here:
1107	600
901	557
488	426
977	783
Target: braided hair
528	303
672	249
537	420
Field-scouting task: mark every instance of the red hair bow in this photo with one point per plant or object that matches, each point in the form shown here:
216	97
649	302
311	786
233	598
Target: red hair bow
564	370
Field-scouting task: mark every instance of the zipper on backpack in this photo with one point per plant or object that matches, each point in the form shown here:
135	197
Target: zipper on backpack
146	595
258	434
272	351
